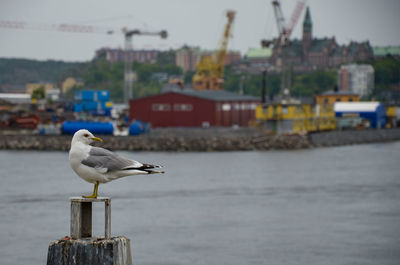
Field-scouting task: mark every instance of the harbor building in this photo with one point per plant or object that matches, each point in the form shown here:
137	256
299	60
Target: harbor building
330	97
191	108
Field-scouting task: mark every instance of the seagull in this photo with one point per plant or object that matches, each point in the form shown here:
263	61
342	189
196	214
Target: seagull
98	165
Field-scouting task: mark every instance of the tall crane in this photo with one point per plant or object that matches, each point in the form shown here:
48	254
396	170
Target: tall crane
12	24
210	70
282	41
129	76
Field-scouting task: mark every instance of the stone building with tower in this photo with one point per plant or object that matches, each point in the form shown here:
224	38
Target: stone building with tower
310	53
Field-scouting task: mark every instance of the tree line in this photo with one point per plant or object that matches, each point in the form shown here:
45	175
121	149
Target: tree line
100	74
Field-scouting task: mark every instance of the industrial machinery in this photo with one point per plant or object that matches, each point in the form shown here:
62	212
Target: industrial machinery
129	75
282	42
210	70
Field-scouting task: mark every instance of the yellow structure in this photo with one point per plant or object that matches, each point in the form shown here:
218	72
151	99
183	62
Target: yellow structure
330	97
69	83
30	87
295	117
391	116
210	70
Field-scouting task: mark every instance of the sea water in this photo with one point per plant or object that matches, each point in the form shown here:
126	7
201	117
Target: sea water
337	205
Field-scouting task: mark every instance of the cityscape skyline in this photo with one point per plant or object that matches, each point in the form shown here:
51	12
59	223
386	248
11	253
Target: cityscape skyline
355	20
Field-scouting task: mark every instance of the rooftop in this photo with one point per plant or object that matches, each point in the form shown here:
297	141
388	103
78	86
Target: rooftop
259	52
340	92
382	51
217	95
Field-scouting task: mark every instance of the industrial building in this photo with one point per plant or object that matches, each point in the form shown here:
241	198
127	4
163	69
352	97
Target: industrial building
190	108
118	55
372	112
330	97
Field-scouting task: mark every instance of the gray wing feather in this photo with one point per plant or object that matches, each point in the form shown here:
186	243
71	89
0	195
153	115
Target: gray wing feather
104	159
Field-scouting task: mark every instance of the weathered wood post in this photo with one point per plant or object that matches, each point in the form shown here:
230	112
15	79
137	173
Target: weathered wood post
81	247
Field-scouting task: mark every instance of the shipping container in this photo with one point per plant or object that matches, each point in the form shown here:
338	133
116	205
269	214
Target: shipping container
103	95
90	105
70	127
78	107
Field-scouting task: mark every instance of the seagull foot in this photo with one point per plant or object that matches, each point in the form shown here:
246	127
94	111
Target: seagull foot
94	194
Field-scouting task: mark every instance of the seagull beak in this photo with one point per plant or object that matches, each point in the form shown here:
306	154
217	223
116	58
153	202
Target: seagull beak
97	139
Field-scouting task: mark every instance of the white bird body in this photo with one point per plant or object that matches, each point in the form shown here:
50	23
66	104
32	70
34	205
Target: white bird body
77	154
98	165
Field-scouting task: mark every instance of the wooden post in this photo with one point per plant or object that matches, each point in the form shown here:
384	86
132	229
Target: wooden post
81	216
93	251
81	247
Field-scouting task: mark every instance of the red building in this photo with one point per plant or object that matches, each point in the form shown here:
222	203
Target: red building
189	108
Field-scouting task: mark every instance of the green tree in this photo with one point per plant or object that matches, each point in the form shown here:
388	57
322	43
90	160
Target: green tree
313	83
38	93
166	58
251	83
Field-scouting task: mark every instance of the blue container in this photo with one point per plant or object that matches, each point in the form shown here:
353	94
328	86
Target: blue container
103	95
78	107
138	127
70	127
90	105
88	95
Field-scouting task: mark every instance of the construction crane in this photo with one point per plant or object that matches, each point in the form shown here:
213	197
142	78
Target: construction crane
129	75
55	27
210	70
282	41
128	34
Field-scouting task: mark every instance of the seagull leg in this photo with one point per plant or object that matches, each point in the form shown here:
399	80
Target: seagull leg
94	195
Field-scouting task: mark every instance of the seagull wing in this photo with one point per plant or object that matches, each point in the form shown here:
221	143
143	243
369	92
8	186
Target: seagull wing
105	161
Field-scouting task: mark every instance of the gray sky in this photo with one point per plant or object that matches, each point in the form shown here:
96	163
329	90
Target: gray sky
192	22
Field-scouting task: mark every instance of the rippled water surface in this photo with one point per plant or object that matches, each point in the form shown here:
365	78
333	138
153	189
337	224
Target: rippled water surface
322	206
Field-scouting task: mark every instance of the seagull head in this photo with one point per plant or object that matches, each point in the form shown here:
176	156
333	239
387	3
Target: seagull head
84	136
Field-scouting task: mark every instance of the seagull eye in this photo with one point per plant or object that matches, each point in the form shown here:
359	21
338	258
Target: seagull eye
86	135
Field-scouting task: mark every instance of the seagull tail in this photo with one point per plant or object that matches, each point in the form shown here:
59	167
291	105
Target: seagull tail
151	166
152	171
147	169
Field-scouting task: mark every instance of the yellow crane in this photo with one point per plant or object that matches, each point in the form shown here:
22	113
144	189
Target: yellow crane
210	70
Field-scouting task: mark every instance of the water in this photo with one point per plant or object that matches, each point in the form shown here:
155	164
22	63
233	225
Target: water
322	206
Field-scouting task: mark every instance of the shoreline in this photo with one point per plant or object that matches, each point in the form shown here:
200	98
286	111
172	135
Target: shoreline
205	140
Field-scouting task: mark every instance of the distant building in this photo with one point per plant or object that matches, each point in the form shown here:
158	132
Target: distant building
187	57
311	53
356	78
16	98
7	88
258	56
30	87
190	108
53	94
69	83
330	97
117	55
159	77
254	61
382	51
